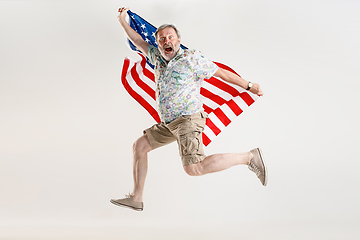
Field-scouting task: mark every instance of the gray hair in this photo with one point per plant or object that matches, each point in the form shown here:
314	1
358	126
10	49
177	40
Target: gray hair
165	26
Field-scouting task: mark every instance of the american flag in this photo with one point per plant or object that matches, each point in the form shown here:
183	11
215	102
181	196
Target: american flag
222	101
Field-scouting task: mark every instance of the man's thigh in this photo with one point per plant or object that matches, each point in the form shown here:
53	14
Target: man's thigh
159	135
188	131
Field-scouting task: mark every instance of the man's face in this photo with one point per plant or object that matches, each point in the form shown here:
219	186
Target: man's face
168	43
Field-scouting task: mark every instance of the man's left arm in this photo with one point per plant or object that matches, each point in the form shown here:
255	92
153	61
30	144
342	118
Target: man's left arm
230	77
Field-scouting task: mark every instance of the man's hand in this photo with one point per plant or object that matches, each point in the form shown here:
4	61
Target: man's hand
122	14
134	37
255	89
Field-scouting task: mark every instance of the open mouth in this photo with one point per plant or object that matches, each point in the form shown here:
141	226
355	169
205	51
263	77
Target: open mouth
168	49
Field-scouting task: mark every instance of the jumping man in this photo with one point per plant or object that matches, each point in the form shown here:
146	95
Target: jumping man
178	77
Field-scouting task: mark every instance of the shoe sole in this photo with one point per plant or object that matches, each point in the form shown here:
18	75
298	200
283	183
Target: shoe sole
127	206
263	163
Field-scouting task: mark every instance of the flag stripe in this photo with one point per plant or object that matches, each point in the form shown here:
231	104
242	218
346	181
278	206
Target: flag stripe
228	112
139	90
246	97
215	119
223	86
216	98
234	107
146	71
209	102
206	140
209	132
139	82
222	117
212	126
136	96
207	109
240	102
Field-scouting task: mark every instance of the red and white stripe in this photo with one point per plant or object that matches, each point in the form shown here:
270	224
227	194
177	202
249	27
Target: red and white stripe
222	101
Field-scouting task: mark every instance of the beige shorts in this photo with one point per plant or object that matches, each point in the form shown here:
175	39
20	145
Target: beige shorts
187	131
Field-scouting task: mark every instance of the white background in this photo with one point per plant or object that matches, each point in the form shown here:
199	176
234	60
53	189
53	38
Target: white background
67	125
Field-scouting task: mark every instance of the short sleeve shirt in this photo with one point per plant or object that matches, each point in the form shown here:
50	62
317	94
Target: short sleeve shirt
178	82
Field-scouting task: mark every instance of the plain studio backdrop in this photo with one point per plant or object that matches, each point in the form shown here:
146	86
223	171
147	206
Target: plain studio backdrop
67	125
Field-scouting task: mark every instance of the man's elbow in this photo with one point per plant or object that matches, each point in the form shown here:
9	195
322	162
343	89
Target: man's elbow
219	73
222	73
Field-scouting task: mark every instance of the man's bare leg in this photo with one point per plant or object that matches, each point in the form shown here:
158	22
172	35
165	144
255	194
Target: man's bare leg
135	200
218	162
141	148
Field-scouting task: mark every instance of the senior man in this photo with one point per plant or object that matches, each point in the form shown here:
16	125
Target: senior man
178	77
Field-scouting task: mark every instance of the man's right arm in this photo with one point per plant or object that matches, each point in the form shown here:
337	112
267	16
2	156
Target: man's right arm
134	37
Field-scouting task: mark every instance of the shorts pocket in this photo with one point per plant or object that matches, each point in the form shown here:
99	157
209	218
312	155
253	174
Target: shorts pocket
190	143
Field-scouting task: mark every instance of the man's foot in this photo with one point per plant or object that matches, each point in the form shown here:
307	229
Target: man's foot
128	202
257	165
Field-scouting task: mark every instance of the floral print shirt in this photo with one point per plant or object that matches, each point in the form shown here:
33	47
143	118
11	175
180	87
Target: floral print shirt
178	82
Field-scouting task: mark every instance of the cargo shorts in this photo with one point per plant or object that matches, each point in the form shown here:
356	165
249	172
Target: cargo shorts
187	131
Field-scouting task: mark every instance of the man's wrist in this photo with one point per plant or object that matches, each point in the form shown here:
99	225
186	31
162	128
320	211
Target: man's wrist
249	86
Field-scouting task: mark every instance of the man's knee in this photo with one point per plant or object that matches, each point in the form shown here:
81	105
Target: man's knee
194	169
142	145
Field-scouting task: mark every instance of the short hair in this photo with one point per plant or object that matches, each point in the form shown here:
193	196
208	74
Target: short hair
165	26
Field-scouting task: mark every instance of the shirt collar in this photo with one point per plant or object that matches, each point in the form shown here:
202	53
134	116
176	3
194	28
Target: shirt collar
178	54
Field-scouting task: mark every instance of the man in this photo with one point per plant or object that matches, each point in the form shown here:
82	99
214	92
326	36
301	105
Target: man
178	77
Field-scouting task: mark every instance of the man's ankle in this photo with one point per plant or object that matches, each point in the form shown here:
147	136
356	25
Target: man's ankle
250	157
136	199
